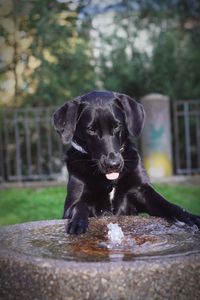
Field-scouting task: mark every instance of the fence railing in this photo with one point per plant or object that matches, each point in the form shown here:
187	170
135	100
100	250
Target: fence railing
30	147
187	136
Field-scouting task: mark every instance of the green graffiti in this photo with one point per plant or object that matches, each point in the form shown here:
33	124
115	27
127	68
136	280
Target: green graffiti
155	137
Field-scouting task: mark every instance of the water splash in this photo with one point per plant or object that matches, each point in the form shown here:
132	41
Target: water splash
116	241
115	233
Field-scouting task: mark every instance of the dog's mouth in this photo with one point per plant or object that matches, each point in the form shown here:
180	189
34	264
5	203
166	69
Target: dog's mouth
112	176
111	165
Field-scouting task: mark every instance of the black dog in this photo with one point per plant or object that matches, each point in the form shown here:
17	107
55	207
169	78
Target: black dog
105	170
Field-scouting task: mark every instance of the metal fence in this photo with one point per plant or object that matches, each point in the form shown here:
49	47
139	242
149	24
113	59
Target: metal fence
187	136
30	148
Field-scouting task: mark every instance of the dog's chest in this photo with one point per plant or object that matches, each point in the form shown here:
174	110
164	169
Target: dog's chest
112	194
111	197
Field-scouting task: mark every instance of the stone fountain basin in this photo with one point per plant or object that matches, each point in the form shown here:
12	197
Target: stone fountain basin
38	260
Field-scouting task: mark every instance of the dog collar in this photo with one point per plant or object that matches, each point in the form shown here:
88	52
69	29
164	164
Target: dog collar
78	147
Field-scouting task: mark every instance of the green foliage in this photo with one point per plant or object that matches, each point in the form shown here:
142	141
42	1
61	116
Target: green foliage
65	70
125	72
47	55
32	204
174	70
171	67
163	65
188	77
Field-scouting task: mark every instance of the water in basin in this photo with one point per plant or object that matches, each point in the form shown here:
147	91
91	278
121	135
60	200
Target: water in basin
108	239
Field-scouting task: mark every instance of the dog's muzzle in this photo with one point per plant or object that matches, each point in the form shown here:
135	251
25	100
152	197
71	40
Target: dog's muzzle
111	165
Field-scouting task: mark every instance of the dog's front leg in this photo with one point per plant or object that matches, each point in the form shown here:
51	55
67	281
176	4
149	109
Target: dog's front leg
78	222
157	205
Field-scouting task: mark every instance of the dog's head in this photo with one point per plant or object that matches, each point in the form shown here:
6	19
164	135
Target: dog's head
99	124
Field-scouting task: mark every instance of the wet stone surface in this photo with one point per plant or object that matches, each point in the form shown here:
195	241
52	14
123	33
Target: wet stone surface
155	260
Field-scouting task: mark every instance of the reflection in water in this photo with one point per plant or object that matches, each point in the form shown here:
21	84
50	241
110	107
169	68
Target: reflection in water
132	238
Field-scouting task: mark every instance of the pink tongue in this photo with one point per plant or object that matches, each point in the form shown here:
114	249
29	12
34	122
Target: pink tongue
112	176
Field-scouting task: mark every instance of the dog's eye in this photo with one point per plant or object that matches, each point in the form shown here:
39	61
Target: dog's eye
91	130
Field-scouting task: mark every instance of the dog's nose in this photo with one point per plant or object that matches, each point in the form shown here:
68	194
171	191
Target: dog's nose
113	162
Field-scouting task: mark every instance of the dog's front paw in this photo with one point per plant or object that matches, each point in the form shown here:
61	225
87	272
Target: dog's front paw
77	226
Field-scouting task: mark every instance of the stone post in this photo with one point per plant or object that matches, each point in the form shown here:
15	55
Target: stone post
156	136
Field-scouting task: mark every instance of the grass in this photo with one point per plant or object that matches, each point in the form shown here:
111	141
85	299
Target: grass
185	196
31	204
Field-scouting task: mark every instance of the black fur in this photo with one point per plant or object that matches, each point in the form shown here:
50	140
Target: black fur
105	124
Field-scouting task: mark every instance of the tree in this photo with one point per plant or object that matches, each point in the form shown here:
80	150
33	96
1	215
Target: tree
50	57
171	66
123	69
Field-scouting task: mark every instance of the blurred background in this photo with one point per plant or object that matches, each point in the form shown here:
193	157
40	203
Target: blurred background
52	51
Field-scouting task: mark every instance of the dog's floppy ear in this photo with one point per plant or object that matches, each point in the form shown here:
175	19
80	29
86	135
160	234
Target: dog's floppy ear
65	118
134	114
